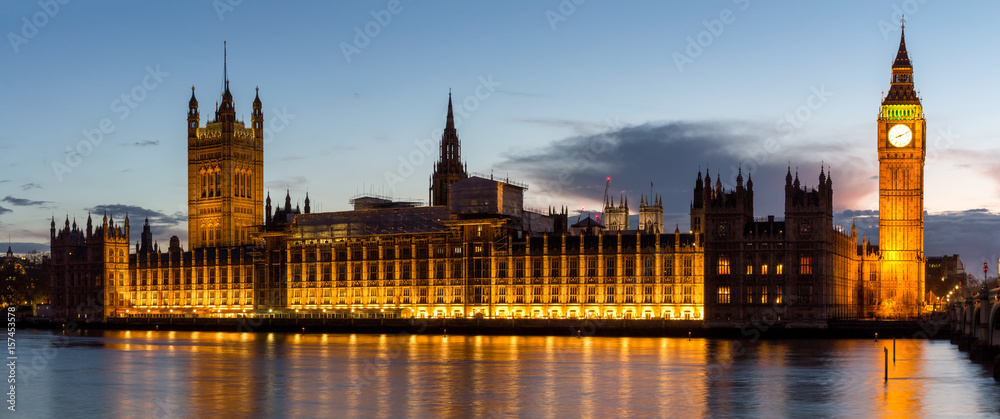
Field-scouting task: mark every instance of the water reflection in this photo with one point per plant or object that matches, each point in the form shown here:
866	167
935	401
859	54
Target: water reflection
123	373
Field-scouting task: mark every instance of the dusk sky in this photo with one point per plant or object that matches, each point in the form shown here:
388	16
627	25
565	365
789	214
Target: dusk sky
554	94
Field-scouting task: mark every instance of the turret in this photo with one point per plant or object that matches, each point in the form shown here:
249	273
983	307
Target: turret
193	119
449	168
307	203
267	209
147	237
257	117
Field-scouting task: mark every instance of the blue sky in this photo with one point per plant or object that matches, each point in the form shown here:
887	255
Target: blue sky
532	81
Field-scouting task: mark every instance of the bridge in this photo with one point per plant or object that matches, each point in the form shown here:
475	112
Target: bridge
975	325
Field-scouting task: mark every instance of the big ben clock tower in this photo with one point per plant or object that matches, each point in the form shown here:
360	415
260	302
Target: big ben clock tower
901	150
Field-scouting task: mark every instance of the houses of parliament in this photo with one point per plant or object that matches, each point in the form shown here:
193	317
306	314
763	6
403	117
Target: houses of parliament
476	252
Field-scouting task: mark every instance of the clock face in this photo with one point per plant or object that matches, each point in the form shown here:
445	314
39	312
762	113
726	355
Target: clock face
900	135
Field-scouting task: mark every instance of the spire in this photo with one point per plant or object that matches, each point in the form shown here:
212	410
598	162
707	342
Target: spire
256	99
902	58
901	90
226	108
449	168
307	203
288	201
193	103
450	123
225	69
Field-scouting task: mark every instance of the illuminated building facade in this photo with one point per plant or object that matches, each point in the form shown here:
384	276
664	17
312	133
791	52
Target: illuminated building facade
802	268
84	264
901	151
475	251
225	174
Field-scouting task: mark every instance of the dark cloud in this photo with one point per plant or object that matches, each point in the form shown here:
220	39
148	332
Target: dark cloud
286	183
24	248
137	213
4	210
29	186
21	202
146	143
974	234
573	170
5	181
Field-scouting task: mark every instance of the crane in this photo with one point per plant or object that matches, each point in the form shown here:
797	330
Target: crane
606	186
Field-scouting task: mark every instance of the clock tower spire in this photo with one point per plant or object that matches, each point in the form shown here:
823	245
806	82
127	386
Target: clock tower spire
901	152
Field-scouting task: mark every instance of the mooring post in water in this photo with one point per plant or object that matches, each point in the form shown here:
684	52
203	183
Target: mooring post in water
876	336
886	363
689	335
893	350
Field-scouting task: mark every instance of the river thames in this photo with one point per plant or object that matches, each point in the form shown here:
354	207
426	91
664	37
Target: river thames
188	374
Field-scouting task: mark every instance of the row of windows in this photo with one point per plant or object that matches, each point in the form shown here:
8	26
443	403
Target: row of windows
724	267
179	298
764	294
173	277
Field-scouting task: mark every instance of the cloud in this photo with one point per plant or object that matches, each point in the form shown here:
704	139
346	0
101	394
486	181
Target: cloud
518	93
146	143
670	155
29	186
4	210
286	183
5	181
21	202
134	212
974	234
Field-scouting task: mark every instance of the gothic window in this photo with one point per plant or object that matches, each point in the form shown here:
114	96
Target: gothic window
647	266
723	265
218	182
723	295
805	265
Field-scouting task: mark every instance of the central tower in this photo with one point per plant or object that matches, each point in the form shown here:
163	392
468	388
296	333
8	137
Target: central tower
449	168
901	150
225	174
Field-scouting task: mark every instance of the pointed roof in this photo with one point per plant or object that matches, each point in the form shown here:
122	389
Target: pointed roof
902	58
256	99
587	222
450	123
193	102
901	90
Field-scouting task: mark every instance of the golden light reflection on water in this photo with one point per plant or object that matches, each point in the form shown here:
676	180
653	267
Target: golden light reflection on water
336	375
